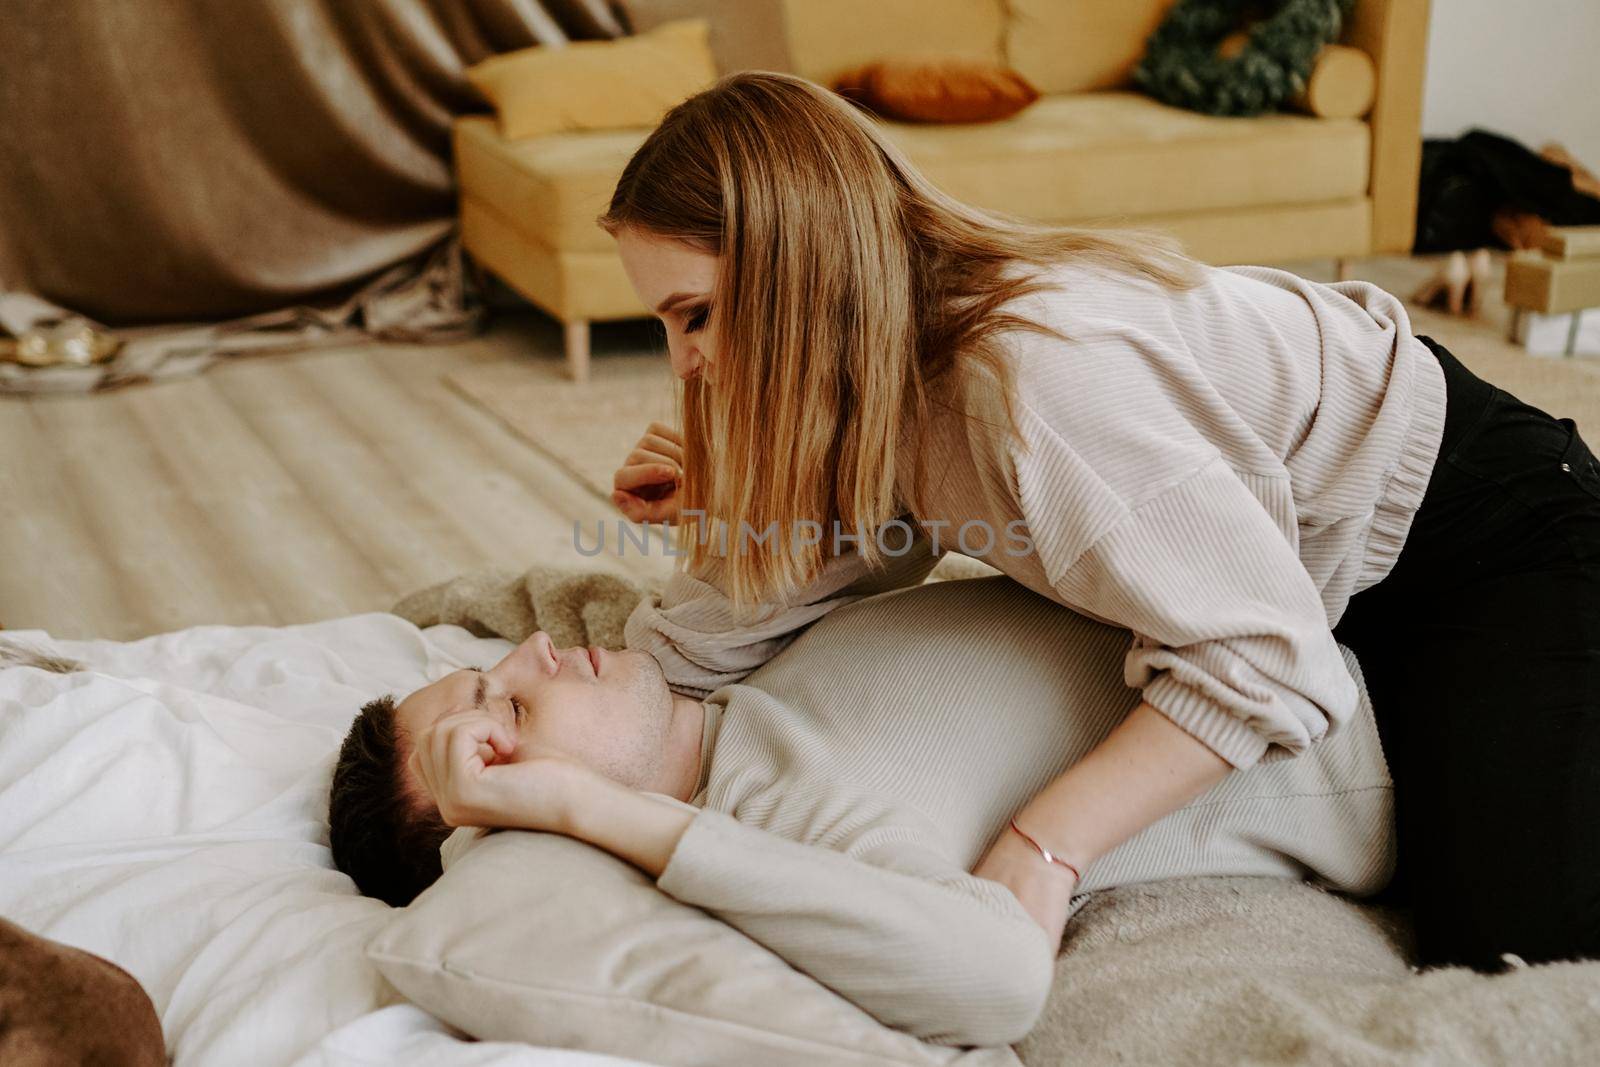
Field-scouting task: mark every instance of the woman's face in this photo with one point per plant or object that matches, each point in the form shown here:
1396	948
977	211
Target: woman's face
675	281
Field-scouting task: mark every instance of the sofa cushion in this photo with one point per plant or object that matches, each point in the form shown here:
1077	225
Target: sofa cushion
597	85
1068	46
829	37
937	90
1084	156
1343	84
1071	158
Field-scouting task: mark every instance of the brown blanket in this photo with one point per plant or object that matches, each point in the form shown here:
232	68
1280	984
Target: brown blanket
59	1005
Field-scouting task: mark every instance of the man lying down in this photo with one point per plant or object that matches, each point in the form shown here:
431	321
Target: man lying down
838	796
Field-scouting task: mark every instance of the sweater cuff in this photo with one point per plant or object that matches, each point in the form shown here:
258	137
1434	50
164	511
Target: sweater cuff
692	867
1218	729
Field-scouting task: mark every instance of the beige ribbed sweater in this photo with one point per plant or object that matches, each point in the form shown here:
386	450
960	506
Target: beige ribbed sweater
852	782
1216	470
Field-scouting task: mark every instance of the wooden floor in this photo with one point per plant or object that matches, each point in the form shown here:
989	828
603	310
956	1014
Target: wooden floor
290	488
275	489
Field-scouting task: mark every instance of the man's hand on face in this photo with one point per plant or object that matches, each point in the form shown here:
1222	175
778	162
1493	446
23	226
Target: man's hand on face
464	759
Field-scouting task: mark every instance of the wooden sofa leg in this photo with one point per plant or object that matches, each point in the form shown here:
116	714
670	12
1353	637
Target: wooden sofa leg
1341	269
577	340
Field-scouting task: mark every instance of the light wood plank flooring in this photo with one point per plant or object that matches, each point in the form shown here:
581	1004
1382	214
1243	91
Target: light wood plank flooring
279	489
289	488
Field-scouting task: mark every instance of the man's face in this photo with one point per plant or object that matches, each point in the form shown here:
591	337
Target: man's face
608	710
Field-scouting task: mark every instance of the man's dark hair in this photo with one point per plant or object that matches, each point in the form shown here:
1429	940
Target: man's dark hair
382	836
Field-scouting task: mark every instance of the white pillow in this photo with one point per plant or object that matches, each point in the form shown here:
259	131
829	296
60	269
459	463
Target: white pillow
539	938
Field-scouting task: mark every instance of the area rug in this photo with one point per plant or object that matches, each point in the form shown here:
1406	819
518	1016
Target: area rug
589	428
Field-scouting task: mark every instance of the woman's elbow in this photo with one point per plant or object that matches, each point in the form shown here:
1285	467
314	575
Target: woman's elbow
1005	998
1027	989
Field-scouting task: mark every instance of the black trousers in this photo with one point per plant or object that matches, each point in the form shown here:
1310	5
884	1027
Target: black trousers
1481	651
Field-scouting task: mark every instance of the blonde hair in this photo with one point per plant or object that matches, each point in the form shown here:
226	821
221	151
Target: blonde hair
848	285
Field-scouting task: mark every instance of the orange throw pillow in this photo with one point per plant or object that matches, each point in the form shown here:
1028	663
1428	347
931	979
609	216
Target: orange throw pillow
937	90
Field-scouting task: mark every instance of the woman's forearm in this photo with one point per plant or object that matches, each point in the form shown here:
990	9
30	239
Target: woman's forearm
1145	768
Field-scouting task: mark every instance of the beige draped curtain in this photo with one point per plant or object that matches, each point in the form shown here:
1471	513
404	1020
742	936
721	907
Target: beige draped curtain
277	170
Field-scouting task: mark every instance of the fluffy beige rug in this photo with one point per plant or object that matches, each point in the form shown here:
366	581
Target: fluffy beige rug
1264	970
587	428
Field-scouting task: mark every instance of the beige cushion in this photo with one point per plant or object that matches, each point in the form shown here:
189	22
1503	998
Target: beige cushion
829	37
1070	158
539	938
1066	46
1343	84
597	85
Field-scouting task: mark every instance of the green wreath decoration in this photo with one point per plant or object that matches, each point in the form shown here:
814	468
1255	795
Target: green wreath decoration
1181	66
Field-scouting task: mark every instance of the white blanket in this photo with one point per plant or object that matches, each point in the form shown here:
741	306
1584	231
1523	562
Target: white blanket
166	808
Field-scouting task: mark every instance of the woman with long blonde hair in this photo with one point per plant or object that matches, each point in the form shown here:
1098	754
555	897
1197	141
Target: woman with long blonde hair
1240	466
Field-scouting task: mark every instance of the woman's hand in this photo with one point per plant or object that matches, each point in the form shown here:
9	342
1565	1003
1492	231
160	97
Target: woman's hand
464	761
645	488
1044	889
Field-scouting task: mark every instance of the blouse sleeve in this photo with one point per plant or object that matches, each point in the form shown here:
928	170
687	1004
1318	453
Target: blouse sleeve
1230	637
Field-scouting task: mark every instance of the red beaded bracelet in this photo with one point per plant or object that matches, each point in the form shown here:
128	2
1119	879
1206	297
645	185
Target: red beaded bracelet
1048	857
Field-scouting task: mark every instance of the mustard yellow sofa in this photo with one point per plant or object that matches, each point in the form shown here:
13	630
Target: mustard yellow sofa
1091	151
